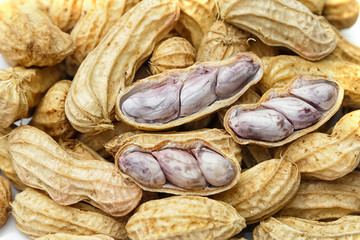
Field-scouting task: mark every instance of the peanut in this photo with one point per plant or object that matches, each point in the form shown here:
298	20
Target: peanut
65	13
62	236
5	198
315	6
341	13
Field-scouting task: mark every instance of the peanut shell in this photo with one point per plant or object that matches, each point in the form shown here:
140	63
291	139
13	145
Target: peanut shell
36	220
341	13
263	189
5	199
50	115
79	150
90	104
196	17
328	156
40	43
315	6
296	28
41	163
184	217
347	227
214	139
65	13
323	200
172	53
97	17
62	236
21	89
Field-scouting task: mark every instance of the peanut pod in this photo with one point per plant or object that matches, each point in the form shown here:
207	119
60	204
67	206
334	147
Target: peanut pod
297	28
62	236
263	189
79	150
285	114
184	217
323	200
37	215
315	6
111	66
50	116
341	13
97	18
41	163
65	13
180	96
328	157
201	162
21	89
28	37
279	70
347	227
5	199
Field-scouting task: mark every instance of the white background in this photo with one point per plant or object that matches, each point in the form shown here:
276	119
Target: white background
9	230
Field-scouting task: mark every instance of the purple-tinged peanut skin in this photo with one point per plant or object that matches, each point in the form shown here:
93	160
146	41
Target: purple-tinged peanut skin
262	124
217	170
143	167
180	168
155	105
198	91
298	112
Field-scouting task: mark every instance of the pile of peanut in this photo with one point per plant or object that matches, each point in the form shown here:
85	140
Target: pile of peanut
180	119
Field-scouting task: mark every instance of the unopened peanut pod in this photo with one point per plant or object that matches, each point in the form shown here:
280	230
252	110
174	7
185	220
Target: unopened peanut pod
37	215
29	38
67	236
5	199
346	50
220	168
79	150
184	217
111	66
323	200
195	19
297	28
50	116
285	114
315	6
347	227
341	13
263	189
176	97
65	13
21	89
328	156
41	163
6	164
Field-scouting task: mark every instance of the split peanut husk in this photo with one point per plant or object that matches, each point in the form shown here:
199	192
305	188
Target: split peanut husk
263	189
176	97
285	114
37	215
41	163
324	200
184	217
200	162
328	156
21	89
111	66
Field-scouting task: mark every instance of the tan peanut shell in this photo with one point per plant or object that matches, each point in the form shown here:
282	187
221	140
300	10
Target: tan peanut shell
49	115
215	139
65	13
172	53
5	199
37	215
21	89
97	142
156	80
196	17
6	164
328	156
341	13
346	50
90	104
282	92
97	17
322	200
296	28
79	150
263	189
41	163
347	227
184	217
280	69
40	43
66	236
315	6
